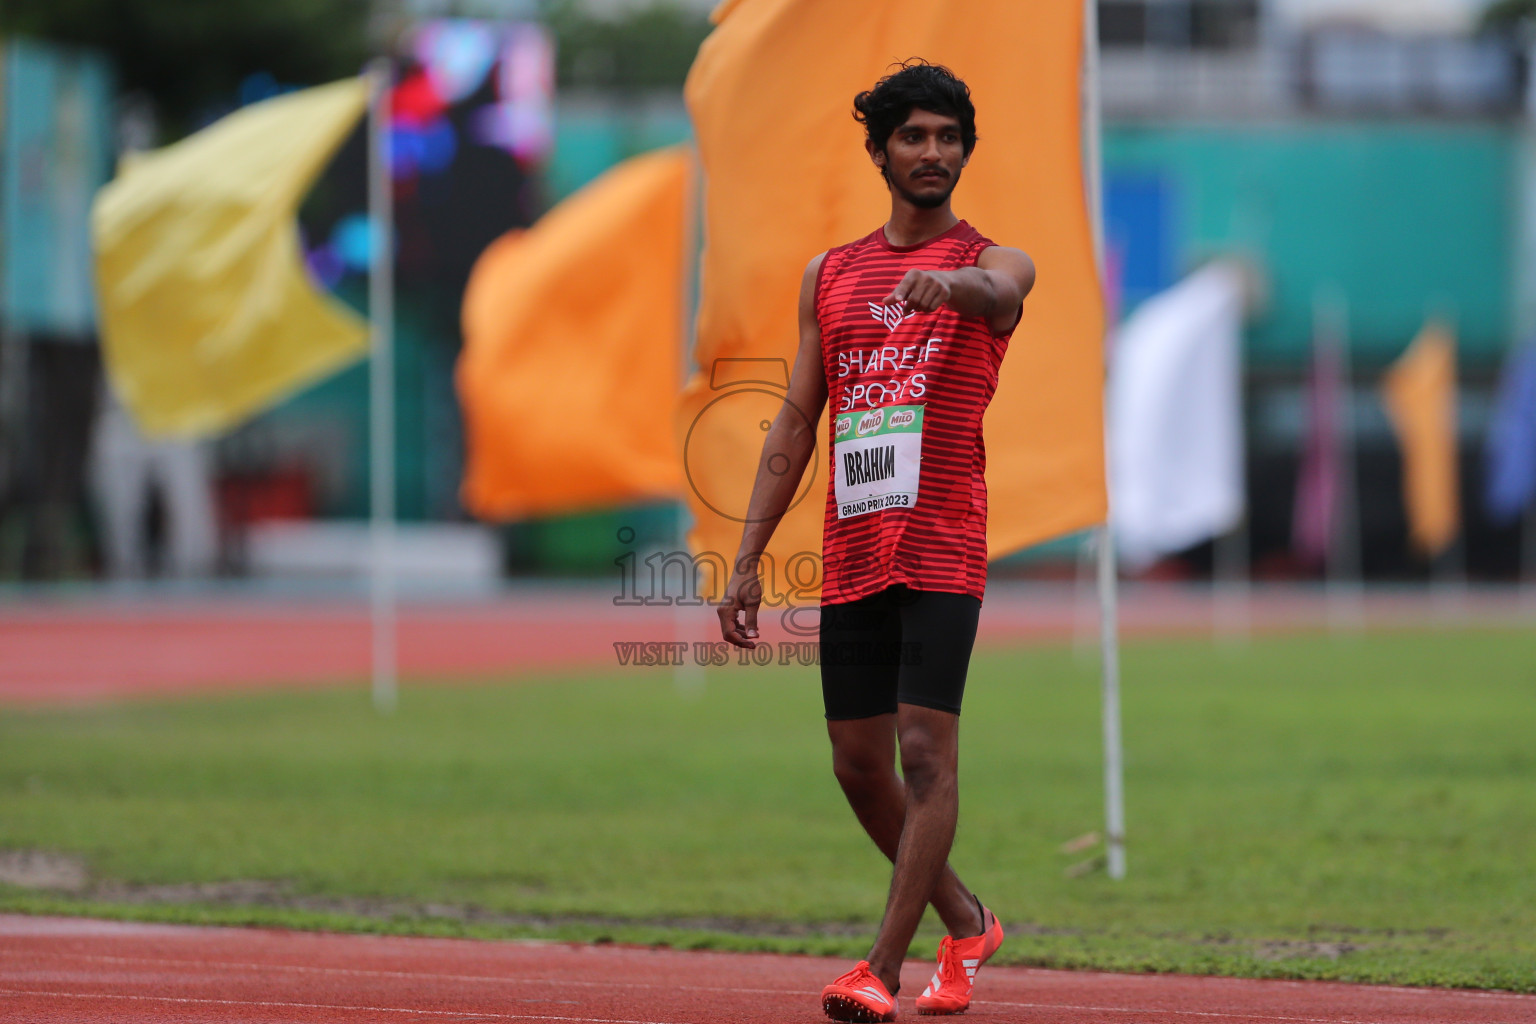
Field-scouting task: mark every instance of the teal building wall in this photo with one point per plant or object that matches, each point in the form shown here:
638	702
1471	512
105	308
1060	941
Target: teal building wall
592	138
1405	218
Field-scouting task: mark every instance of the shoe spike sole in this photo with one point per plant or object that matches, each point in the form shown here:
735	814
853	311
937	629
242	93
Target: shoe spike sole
840	1008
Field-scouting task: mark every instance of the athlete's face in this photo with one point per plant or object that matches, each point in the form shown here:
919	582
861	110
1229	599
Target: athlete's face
923	158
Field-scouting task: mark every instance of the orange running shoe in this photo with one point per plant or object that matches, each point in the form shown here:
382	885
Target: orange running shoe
959	959
858	996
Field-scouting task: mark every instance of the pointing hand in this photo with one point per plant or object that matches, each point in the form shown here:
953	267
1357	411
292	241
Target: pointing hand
921	290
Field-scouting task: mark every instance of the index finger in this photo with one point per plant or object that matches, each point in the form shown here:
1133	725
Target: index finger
900	292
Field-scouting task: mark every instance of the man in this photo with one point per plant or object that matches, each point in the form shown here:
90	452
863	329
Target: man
903	331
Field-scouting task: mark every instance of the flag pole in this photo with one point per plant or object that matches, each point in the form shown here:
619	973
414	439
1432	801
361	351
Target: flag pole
1344	579
1108	578
381	391
1232	584
1448	569
688	674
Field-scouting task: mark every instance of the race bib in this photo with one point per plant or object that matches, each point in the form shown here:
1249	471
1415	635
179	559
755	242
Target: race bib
877	456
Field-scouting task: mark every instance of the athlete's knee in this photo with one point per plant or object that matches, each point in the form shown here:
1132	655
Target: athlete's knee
928	764
860	771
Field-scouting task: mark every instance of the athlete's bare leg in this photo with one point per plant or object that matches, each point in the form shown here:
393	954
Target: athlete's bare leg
912	822
930	743
864	760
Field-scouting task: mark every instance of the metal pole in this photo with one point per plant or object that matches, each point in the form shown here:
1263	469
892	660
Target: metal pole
1109	643
1343	585
1109	629
381	389
1232	588
1448	570
688	676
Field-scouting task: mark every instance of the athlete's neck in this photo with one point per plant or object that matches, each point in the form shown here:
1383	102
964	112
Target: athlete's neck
913	225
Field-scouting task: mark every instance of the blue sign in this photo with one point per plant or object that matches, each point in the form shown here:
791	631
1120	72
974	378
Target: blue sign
56	151
1139	234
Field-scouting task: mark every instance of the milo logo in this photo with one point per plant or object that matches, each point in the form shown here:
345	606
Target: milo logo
844	426
903	418
870	422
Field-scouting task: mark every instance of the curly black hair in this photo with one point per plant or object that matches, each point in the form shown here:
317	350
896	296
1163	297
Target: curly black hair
916	85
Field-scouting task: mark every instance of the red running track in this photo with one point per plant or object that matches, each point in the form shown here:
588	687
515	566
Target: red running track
105	648
77	970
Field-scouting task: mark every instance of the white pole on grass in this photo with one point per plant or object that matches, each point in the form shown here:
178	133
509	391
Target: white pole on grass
381	390
1114	775
688	674
1108	577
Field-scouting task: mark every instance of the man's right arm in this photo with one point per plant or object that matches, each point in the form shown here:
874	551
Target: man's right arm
787	449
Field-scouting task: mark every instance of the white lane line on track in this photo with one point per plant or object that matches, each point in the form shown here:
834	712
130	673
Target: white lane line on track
1227	980
280	1004
1218	1014
363	972
323	1006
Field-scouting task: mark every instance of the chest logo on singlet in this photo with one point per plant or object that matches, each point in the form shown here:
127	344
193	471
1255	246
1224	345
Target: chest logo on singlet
891	316
877	459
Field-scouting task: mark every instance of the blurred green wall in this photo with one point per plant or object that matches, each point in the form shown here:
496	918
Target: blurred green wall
1404	217
592	136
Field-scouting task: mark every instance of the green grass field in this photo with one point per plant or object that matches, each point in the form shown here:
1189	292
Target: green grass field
1359	808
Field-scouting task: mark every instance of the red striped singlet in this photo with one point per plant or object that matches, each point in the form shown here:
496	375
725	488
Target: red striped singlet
906	495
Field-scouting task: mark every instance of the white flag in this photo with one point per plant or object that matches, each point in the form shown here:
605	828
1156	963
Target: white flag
1175	417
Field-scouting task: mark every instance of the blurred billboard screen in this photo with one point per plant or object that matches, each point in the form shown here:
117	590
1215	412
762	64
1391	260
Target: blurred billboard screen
55	151
471	127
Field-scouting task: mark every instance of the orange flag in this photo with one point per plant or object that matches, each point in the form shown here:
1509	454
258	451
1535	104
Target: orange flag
571	361
1420	396
786	177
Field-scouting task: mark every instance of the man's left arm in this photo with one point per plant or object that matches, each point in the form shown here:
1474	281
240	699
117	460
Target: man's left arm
993	290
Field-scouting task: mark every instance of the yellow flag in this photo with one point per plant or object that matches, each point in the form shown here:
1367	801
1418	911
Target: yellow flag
1420	395
572	349
786	177
207	313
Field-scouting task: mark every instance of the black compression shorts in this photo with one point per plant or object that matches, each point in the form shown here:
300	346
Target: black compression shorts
897	646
